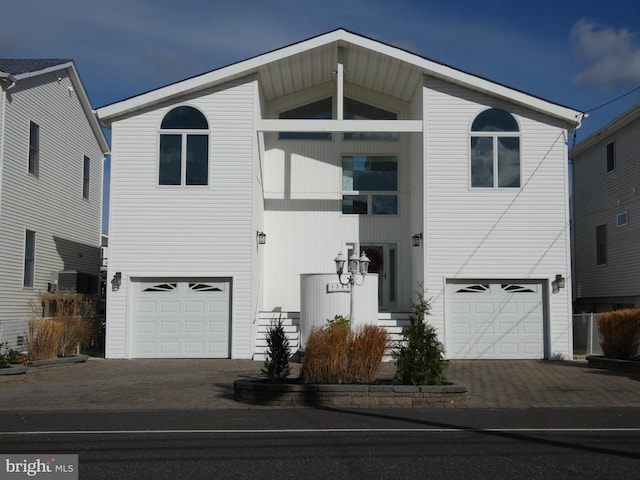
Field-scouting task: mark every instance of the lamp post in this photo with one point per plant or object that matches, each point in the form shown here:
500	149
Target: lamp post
357	265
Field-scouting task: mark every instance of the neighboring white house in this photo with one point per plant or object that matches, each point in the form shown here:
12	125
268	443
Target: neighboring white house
606	223
51	158
338	142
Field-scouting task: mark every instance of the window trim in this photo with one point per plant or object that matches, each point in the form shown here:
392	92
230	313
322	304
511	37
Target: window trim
86	177
601	246
29	260
184	134
33	158
495	135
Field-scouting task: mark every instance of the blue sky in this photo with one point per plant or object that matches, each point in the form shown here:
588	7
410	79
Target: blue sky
579	54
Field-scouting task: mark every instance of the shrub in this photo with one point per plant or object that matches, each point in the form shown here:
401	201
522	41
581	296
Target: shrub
335	354
63	327
276	365
620	333
419	358
339	320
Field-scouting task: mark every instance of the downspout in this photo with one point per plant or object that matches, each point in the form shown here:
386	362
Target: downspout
7	82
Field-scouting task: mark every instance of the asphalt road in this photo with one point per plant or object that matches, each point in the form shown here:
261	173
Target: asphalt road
320	444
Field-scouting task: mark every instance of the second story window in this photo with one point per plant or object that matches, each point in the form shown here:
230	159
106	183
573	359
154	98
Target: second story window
601	245
86	177
319	110
34	148
495	150
611	157
184	148
370	185
29	258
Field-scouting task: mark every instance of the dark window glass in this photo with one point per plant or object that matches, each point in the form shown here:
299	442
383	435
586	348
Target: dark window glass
611	157
495	120
86	177
34	148
384	204
184	118
482	161
197	159
29	258
377	173
170	159
355	110
320	110
508	162
354	204
601	245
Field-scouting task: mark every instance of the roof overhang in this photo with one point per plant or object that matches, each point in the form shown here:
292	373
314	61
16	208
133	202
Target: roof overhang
368	62
609	129
82	96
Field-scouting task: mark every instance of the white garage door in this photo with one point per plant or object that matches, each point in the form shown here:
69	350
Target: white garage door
494	320
181	319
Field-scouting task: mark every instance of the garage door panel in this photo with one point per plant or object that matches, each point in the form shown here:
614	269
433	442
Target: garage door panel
494	320
181	319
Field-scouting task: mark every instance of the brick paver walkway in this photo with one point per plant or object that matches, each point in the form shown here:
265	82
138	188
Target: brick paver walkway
102	384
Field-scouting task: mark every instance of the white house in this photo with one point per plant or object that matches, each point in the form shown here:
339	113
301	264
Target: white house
338	143
606	211
51	154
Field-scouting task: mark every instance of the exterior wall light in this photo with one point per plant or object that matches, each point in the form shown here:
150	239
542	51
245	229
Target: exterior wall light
558	283
416	239
116	281
262	237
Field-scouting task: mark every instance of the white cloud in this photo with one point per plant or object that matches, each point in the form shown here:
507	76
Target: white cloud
608	58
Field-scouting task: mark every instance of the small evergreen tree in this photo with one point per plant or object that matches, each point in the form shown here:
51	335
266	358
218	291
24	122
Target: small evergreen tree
276	365
420	357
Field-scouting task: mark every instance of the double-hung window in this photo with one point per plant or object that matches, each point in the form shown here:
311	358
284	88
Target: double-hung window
370	185
34	148
184	148
495	150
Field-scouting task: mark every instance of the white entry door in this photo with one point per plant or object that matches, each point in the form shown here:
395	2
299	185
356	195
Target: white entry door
181	319
494	320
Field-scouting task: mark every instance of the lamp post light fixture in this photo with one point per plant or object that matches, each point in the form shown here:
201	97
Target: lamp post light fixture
416	240
262	237
357	265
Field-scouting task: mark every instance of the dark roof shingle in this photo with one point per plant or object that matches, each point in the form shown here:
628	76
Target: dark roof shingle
18	66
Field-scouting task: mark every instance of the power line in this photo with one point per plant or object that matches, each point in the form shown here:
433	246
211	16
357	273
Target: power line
614	100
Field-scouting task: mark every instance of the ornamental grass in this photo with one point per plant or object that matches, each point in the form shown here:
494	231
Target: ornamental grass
620	333
339	355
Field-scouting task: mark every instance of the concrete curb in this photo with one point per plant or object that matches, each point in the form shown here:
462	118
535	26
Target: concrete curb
263	392
13	370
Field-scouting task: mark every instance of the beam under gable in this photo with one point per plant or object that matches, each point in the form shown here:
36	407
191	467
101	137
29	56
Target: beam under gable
295	125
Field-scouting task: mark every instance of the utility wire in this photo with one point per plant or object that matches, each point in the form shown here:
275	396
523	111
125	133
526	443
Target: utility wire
614	100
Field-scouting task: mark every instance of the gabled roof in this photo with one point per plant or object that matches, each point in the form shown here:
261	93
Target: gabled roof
19	69
631	115
369	63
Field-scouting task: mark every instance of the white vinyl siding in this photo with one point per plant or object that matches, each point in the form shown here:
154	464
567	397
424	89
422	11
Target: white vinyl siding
203	232
51	204
504	233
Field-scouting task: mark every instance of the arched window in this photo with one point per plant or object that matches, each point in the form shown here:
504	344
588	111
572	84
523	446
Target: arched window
495	150
184	148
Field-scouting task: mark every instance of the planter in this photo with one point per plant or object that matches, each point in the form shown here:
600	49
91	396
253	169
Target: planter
598	361
264	392
13	370
59	360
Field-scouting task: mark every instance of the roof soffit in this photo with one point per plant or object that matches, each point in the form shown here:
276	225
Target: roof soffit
312	62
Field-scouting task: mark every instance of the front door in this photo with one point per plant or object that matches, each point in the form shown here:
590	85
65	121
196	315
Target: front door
383	262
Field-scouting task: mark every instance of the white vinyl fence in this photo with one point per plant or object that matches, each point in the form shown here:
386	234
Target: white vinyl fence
586	338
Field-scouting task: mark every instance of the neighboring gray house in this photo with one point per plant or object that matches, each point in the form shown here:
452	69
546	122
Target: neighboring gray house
51	161
606	224
337	142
